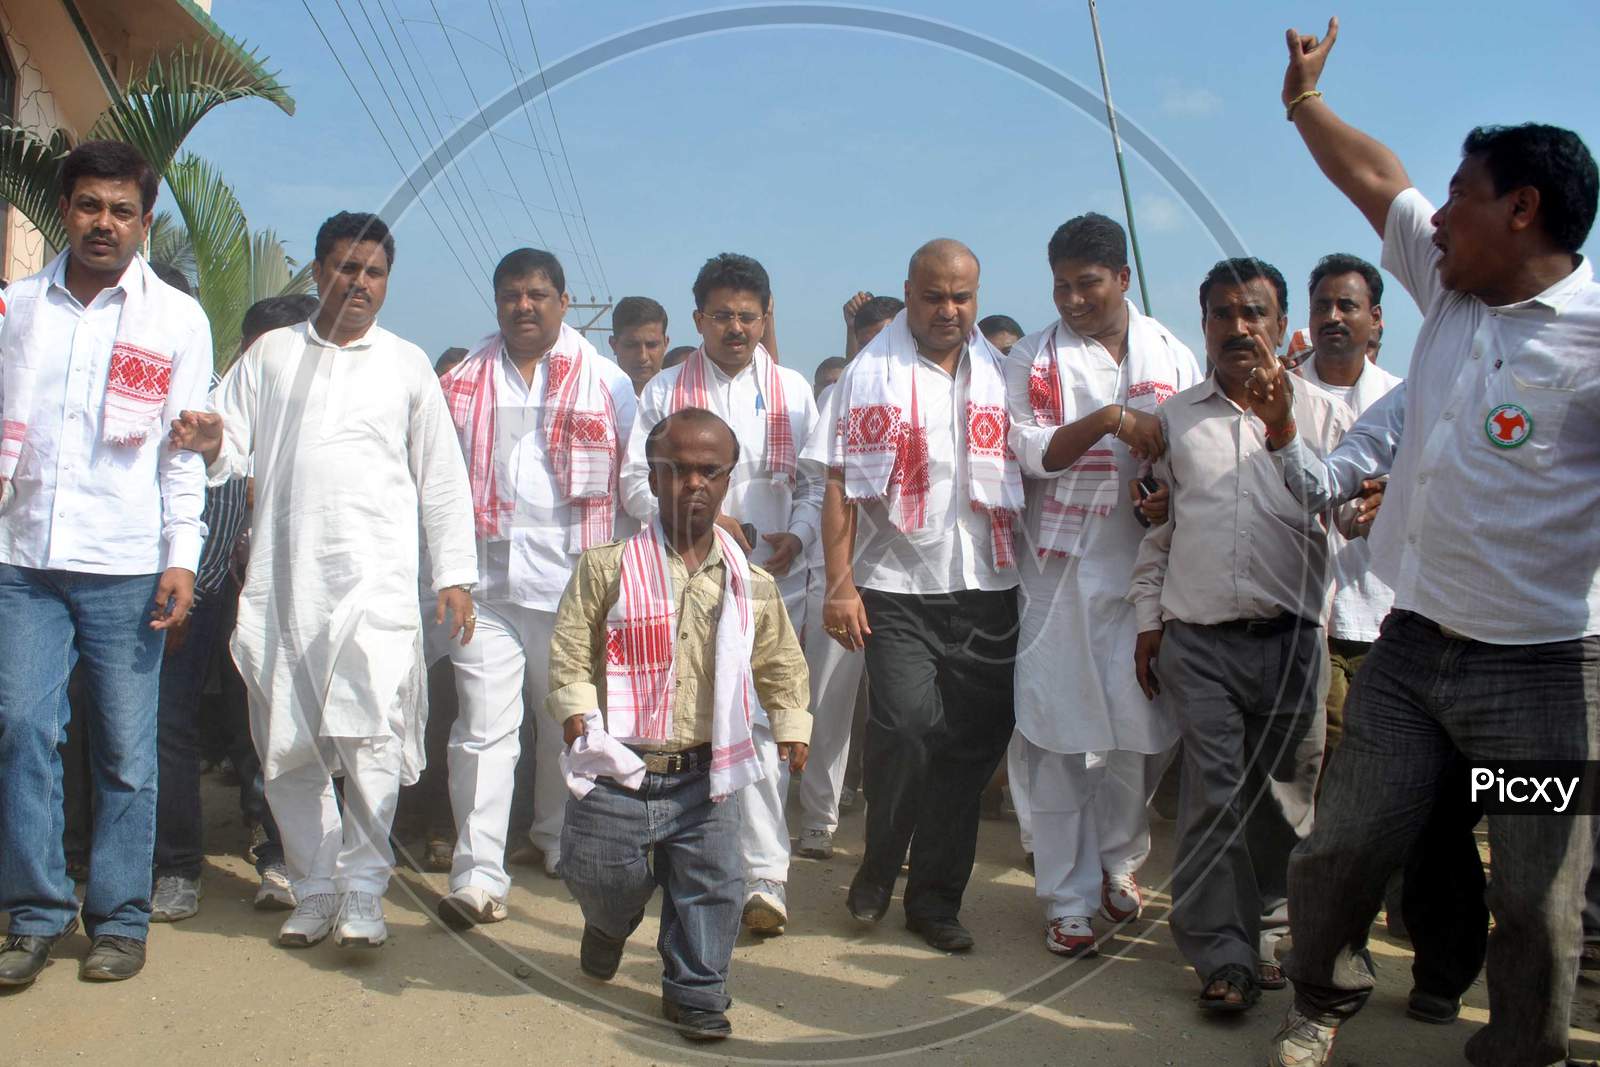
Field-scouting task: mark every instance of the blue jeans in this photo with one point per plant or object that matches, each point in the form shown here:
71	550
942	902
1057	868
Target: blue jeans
619	844
1420	698
52	618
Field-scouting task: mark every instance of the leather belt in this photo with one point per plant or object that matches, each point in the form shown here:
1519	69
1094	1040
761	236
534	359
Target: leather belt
1263	627
689	759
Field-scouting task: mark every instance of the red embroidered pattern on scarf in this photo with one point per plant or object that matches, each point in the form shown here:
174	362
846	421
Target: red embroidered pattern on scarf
138	374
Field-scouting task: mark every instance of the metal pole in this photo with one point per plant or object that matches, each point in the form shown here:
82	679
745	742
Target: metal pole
1122	167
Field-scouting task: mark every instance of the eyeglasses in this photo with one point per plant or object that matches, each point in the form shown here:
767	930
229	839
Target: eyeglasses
727	318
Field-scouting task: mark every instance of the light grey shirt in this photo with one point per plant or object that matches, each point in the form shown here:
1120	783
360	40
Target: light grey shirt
1238	544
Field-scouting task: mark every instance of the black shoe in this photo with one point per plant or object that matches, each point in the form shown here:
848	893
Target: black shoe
112	958
1432	1008
23	956
695	1024
946	935
866	900
599	955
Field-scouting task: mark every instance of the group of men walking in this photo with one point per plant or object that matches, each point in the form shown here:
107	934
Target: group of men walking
1082	544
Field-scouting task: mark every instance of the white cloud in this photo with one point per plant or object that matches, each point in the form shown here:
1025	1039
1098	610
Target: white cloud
1190	103
1160	214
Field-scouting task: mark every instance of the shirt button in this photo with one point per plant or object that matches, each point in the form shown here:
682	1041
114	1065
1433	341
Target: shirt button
1449	415
1411	539
1422	479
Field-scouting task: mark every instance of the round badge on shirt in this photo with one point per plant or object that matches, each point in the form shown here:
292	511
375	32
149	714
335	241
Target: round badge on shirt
1508	426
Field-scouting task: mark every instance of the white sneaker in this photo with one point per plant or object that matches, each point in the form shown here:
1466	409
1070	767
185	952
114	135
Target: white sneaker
1120	900
361	921
312	920
765	912
470	906
1070	936
552	862
815	844
1301	1042
276	892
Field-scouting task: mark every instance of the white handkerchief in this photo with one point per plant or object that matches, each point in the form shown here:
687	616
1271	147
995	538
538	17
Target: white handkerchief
597	753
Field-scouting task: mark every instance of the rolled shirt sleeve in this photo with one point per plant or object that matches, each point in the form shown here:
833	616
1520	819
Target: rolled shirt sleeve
783	683
578	639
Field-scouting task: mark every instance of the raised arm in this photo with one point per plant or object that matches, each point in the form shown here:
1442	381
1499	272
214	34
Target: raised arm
1361	167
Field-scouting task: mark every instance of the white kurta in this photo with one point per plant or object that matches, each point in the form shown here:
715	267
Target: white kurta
354	454
1076	688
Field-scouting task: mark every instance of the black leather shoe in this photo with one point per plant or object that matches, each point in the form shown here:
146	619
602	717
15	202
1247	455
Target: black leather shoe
599	955
695	1024
946	935
23	956
867	900
112	958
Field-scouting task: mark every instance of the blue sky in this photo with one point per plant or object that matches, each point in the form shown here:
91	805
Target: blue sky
829	154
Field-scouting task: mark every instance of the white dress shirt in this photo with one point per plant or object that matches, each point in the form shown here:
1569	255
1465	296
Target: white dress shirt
1360	599
79	503
1497	543
754	496
954	549
531	566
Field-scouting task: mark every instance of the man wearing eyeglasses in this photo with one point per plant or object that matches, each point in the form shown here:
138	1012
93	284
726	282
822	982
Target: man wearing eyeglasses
772	509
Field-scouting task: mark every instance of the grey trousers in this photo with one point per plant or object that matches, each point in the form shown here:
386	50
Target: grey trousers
1251	717
1420	698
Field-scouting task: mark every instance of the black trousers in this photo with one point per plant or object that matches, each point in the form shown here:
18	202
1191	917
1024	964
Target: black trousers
941	683
1442	893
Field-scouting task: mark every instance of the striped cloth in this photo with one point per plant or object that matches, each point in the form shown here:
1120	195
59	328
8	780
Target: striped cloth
885	443
581	437
690	392
1089	488
641	660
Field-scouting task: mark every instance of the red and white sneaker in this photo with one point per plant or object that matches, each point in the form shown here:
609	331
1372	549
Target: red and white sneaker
1070	936
1120	901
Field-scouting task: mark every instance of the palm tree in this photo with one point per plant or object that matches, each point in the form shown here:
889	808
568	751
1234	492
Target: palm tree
156	112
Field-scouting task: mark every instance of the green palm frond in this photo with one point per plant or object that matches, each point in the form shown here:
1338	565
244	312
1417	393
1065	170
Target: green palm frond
170	244
272	272
30	179
163	105
221	242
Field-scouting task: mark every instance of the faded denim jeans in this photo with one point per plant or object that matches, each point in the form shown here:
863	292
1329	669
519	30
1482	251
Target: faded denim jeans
618	844
1419	698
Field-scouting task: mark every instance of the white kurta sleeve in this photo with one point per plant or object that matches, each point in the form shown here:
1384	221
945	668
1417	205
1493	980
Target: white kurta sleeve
1029	439
637	499
440	474
235	400
182	474
811	478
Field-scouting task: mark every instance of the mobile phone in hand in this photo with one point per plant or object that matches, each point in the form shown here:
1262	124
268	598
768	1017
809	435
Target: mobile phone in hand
749	531
1145	487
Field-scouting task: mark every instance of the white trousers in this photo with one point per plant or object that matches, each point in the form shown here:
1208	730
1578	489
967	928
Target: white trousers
835	681
332	852
1017	784
763	827
506	663
1088	821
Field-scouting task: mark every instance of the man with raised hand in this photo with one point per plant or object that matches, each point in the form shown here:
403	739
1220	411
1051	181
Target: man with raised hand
100	535
771	491
355	457
923	495
1487	537
542	418
1230	595
1083	395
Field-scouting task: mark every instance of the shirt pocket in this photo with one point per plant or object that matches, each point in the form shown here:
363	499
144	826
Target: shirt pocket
1526	407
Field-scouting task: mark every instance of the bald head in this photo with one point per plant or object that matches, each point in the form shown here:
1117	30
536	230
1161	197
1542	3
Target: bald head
942	251
942	297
